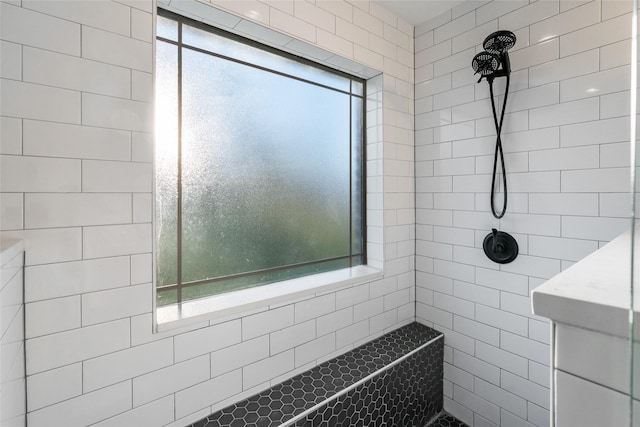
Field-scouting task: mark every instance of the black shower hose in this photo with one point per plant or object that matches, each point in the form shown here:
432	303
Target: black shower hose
498	150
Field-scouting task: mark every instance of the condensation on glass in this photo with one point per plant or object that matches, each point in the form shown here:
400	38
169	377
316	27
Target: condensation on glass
259	164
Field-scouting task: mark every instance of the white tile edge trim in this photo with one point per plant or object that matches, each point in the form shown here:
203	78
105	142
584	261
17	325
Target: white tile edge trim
180	315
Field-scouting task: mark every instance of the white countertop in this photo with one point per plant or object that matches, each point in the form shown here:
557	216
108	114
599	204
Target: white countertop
594	293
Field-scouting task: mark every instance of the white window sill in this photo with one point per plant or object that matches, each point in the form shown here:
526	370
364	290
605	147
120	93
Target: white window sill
228	304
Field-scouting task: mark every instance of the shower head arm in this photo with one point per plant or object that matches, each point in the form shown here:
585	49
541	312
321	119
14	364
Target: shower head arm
499	73
505	69
491	77
504	61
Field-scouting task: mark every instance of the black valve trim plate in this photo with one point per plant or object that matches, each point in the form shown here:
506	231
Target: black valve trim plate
500	247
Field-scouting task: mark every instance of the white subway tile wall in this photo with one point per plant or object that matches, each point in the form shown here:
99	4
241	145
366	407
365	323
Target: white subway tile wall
76	182
567	121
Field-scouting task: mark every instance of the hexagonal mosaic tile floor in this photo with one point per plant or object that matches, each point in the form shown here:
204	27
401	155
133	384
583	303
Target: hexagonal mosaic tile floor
353	389
446	420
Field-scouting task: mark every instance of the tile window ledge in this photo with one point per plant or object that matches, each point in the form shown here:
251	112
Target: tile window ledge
237	303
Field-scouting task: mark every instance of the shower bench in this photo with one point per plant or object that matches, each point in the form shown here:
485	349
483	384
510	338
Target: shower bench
394	380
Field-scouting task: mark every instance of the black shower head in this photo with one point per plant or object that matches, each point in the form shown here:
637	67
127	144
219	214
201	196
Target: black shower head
495	55
485	63
499	42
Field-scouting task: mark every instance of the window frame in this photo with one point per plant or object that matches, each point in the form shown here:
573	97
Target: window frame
180	19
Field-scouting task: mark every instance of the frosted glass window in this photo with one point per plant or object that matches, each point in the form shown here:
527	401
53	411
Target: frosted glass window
259	165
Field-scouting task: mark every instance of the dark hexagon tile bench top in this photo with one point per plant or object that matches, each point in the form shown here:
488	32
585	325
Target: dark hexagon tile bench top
357	388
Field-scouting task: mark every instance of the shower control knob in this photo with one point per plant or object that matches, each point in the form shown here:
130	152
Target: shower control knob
500	247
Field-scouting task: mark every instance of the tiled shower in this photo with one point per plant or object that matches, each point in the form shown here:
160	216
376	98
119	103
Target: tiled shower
76	182
565	138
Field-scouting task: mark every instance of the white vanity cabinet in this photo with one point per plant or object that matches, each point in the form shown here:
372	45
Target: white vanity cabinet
588	305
